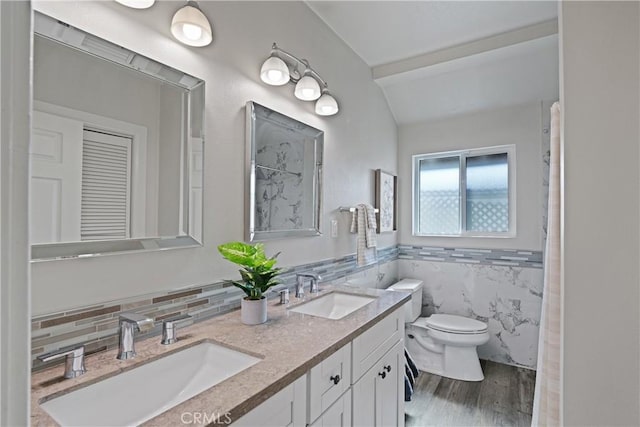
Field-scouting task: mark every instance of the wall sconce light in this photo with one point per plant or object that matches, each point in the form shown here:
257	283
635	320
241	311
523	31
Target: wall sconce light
137	4
282	67
191	27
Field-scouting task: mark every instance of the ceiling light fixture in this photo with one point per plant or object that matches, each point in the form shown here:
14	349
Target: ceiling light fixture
190	26
137	4
282	67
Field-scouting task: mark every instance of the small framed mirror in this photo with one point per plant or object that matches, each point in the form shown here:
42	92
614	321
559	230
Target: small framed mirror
284	175
117	148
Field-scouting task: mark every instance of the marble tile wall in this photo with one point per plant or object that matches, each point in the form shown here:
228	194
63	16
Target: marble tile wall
506	297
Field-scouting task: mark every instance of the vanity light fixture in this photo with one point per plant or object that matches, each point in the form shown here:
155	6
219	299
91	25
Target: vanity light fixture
190	26
282	67
137	4
307	88
326	104
274	72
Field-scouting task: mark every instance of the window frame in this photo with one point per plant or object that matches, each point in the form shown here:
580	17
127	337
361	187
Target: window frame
509	150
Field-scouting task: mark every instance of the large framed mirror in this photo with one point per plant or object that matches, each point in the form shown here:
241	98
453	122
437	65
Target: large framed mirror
117	148
284	175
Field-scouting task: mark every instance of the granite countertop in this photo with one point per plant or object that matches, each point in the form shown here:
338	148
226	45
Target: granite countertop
289	344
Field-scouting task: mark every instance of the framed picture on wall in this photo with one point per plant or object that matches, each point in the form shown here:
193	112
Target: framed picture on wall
386	201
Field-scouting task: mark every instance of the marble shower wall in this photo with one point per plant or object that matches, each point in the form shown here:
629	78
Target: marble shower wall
507	298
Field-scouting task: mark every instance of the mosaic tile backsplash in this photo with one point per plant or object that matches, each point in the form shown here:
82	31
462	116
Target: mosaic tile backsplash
503	288
97	326
504	257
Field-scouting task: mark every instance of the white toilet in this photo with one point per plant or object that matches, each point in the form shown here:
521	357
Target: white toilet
442	344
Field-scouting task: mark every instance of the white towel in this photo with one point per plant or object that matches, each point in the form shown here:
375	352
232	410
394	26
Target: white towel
363	222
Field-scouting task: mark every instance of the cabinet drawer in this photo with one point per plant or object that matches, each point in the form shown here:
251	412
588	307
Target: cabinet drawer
287	408
369	347
328	380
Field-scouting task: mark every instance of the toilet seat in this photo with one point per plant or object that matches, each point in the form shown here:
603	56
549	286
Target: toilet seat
451	324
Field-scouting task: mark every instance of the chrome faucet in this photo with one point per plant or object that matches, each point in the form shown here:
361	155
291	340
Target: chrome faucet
74	362
170	328
300	279
129	324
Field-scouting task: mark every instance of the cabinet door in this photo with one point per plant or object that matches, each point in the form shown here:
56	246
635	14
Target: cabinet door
389	401
377	397
364	400
338	415
287	408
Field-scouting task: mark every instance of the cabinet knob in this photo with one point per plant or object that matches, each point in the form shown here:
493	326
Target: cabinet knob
335	379
388	368
383	374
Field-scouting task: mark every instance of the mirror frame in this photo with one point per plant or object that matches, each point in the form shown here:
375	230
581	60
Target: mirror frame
252	116
48	27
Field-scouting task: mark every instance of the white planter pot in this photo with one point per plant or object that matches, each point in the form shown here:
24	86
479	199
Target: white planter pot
253	312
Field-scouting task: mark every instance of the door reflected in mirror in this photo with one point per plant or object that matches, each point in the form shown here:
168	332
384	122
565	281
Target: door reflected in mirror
117	148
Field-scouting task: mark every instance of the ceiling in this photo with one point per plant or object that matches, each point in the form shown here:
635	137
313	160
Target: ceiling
435	59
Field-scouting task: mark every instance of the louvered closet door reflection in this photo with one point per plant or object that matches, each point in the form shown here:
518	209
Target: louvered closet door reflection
106	186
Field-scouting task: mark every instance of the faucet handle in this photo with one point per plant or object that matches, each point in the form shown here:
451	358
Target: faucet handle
74	362
315	284
283	291
170	327
142	322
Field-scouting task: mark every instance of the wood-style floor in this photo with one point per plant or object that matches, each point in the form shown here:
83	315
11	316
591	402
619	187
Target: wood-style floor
504	398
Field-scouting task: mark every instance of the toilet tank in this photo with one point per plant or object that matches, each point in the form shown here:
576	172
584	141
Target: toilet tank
413	308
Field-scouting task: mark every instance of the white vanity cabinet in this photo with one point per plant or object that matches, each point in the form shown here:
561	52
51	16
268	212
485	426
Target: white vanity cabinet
287	408
361	384
378	374
378	397
338	414
329	380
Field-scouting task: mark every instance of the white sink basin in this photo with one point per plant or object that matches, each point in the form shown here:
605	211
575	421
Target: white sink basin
135	396
335	305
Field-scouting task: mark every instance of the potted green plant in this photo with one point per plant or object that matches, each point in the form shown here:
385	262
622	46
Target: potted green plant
258	275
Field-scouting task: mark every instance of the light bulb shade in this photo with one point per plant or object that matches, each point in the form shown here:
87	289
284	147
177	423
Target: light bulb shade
137	4
191	27
274	72
307	89
326	105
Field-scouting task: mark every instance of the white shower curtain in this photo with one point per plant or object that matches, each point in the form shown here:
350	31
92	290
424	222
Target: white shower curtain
547	401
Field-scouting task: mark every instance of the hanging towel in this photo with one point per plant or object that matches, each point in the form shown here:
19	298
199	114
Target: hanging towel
363	222
410	375
411	364
408	389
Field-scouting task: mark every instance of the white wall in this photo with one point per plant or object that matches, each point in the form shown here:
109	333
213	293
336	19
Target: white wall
600	55
15	379
361	138
522	126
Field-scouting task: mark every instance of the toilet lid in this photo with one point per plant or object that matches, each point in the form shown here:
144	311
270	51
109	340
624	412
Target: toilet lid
455	324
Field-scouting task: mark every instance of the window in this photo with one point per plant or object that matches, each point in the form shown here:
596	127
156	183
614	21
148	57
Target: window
467	193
